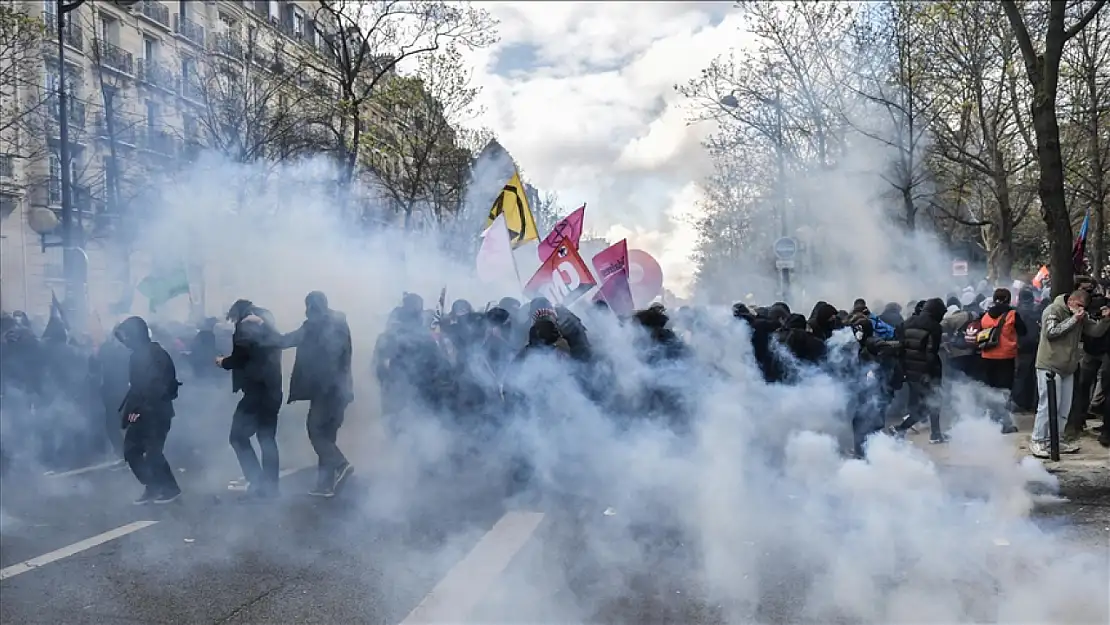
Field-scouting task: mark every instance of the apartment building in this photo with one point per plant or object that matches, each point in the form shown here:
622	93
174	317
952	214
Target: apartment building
132	77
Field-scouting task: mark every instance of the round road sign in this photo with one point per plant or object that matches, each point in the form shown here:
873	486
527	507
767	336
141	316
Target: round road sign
786	248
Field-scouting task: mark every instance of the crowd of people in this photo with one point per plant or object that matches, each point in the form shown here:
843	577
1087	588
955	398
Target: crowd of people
462	365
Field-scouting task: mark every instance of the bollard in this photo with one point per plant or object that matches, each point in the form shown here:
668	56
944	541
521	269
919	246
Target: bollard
1053	422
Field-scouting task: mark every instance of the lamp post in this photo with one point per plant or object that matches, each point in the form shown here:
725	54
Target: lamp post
74	260
730	101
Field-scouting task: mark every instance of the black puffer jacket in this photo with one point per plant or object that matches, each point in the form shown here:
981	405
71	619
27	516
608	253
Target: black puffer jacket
255	360
152	376
920	337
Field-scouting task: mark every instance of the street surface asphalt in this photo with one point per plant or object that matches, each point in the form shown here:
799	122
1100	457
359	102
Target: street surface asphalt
461	555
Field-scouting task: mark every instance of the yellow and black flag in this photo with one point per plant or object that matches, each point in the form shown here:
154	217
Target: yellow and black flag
518	215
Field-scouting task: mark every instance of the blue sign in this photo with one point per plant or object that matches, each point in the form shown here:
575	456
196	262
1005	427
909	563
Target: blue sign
786	248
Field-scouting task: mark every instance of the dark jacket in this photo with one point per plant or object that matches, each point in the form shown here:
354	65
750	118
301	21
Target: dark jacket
921	337
109	368
762	332
1031	319
323	364
255	360
151	374
823	320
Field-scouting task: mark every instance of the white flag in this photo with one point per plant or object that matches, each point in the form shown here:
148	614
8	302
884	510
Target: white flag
495	258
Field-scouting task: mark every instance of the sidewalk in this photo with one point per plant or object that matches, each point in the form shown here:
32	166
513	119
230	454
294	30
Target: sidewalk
1088	469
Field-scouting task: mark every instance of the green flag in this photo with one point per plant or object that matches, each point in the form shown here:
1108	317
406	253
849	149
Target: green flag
162	286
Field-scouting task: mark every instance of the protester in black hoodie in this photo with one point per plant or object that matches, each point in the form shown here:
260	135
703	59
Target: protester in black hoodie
148	411
1024	395
322	376
805	347
255	365
762	332
920	338
881	374
823	320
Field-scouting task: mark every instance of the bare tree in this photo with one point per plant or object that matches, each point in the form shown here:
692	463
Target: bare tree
363	42
22	99
890	77
258	100
1085	84
414	150
1042	68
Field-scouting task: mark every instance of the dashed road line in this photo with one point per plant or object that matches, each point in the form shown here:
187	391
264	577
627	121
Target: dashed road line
77	547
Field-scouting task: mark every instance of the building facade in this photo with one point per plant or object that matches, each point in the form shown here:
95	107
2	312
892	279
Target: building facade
138	109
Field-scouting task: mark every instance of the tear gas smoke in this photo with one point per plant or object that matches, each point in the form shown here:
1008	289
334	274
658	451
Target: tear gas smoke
776	525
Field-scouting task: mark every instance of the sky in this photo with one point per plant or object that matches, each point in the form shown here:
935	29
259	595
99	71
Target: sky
582	95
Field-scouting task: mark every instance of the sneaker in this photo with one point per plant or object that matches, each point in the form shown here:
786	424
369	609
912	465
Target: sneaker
147	497
342	473
1068	448
169	497
322	490
938	439
1038	449
1009	428
895	432
239	484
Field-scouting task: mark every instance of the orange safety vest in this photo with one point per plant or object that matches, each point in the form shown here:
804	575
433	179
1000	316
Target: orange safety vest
1007	347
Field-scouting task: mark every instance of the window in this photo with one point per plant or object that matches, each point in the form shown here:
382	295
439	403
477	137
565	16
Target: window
227	24
7	166
8	202
275	9
183	8
187	67
109	29
189	126
150	49
153	114
54	190
298	22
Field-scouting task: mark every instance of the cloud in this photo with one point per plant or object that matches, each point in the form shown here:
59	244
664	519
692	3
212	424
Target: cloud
582	95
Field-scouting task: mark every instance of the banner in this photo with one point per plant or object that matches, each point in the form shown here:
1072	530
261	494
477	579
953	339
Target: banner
164	285
611	265
645	276
562	278
495	261
569	228
1079	249
513	204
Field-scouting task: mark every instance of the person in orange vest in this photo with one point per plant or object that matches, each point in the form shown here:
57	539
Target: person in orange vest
999	351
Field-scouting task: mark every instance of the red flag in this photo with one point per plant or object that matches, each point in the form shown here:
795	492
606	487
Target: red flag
611	265
569	228
562	278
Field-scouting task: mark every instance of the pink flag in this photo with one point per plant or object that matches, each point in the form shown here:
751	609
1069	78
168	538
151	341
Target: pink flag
562	278
611	265
569	228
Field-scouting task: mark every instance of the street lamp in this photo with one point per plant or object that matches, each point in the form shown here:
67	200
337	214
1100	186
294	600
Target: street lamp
730	101
74	260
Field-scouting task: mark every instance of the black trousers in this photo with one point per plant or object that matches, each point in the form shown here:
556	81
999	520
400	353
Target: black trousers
1024	394
1085	380
143	447
257	415
999	374
325	417
922	405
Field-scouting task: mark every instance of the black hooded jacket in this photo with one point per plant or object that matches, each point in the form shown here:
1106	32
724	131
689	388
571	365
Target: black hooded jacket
255	360
151	373
762	331
920	337
323	364
823	320
801	344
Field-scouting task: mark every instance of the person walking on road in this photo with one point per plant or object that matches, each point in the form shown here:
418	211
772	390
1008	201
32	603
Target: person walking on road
255	365
148	412
322	376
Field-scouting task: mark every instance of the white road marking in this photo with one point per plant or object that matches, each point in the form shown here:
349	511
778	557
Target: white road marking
240	483
291	470
468	582
74	549
88	469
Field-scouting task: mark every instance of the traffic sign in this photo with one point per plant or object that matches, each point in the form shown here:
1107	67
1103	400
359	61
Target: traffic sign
786	248
959	268
784	264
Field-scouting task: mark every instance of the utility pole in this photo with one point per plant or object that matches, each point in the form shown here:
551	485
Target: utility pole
74	260
780	185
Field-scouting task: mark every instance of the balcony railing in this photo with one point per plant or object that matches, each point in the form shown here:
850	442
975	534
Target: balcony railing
158	140
72	35
155	74
227	45
188	29
188	87
155	11
115	57
75	112
124	131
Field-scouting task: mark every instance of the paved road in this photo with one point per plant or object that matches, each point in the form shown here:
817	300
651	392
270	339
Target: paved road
457	552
